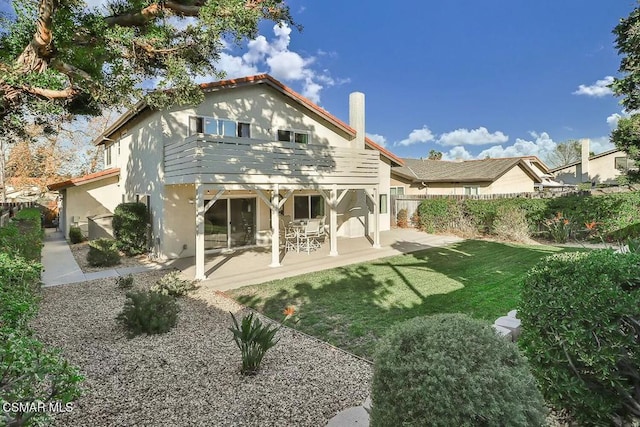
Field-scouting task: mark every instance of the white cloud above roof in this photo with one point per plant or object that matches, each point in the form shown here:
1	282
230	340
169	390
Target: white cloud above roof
378	139
613	119
457	153
417	136
480	136
597	90
274	57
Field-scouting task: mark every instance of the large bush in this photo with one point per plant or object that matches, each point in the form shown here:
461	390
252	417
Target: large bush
581	321
130	222
449	369
439	215
23	235
103	253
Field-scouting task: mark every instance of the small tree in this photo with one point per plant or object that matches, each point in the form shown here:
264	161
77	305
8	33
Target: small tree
130	227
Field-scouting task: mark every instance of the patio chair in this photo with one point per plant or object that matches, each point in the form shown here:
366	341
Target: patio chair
310	235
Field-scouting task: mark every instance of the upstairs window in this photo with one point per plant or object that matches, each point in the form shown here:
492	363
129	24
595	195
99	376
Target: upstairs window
288	135
222	127
108	155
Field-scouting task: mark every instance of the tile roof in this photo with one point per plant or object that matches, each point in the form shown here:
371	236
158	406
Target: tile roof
244	81
73	182
424	170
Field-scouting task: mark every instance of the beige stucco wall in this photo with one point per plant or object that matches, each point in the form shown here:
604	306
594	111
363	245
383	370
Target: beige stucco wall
455	188
265	109
601	170
410	188
90	199
515	180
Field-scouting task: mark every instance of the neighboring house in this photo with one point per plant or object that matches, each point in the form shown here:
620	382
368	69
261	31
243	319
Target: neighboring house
219	174
469	177
601	168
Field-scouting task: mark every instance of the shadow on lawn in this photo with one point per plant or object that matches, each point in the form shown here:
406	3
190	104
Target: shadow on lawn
353	306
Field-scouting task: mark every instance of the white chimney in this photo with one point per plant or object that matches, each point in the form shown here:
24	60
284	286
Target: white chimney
356	117
584	164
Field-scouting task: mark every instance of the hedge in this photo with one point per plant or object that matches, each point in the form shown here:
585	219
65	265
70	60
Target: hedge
617	216
30	371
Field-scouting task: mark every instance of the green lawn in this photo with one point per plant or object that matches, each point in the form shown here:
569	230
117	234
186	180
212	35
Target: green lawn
351	307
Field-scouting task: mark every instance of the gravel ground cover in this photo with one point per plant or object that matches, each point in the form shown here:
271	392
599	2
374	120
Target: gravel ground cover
80	251
190	376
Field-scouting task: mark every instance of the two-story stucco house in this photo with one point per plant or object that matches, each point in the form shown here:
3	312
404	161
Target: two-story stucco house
219	174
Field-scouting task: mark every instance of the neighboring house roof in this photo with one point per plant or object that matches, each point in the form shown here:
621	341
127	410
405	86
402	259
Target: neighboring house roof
595	156
246	81
486	170
86	179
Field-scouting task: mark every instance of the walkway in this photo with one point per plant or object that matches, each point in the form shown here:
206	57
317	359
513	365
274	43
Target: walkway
61	268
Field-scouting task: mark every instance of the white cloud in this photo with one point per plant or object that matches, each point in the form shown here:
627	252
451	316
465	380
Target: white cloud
599	145
599	89
613	119
274	57
480	136
540	146
417	136
457	153
378	139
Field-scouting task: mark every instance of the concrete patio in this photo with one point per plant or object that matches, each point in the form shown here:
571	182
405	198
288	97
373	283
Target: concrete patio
233	269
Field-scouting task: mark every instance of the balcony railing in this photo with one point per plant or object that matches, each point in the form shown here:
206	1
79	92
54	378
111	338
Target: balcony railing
249	161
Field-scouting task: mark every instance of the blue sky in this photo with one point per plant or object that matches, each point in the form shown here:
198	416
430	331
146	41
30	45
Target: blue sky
467	78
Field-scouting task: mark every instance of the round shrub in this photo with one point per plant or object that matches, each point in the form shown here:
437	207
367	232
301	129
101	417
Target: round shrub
75	235
148	312
103	253
581	326
403	218
130	222
449	369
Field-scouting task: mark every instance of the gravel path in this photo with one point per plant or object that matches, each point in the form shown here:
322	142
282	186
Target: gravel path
190	376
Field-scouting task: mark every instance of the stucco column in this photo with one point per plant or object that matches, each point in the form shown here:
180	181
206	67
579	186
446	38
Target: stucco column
199	232
333	221
275	227
376	217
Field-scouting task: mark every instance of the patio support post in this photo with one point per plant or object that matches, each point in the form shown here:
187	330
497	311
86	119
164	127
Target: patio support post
376	217
199	232
275	227
333	221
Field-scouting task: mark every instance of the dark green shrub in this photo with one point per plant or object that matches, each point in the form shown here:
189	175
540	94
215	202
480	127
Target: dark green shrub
130	222
450	370
148	312
172	284
103	253
581	325
19	283
436	215
75	235
125	282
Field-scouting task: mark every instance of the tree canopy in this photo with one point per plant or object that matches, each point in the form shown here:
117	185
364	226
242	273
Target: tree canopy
626	136
63	57
565	153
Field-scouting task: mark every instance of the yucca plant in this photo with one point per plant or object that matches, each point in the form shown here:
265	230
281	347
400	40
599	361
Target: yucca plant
254	339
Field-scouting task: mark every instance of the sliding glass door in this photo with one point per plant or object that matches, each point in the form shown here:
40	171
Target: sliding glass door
230	223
